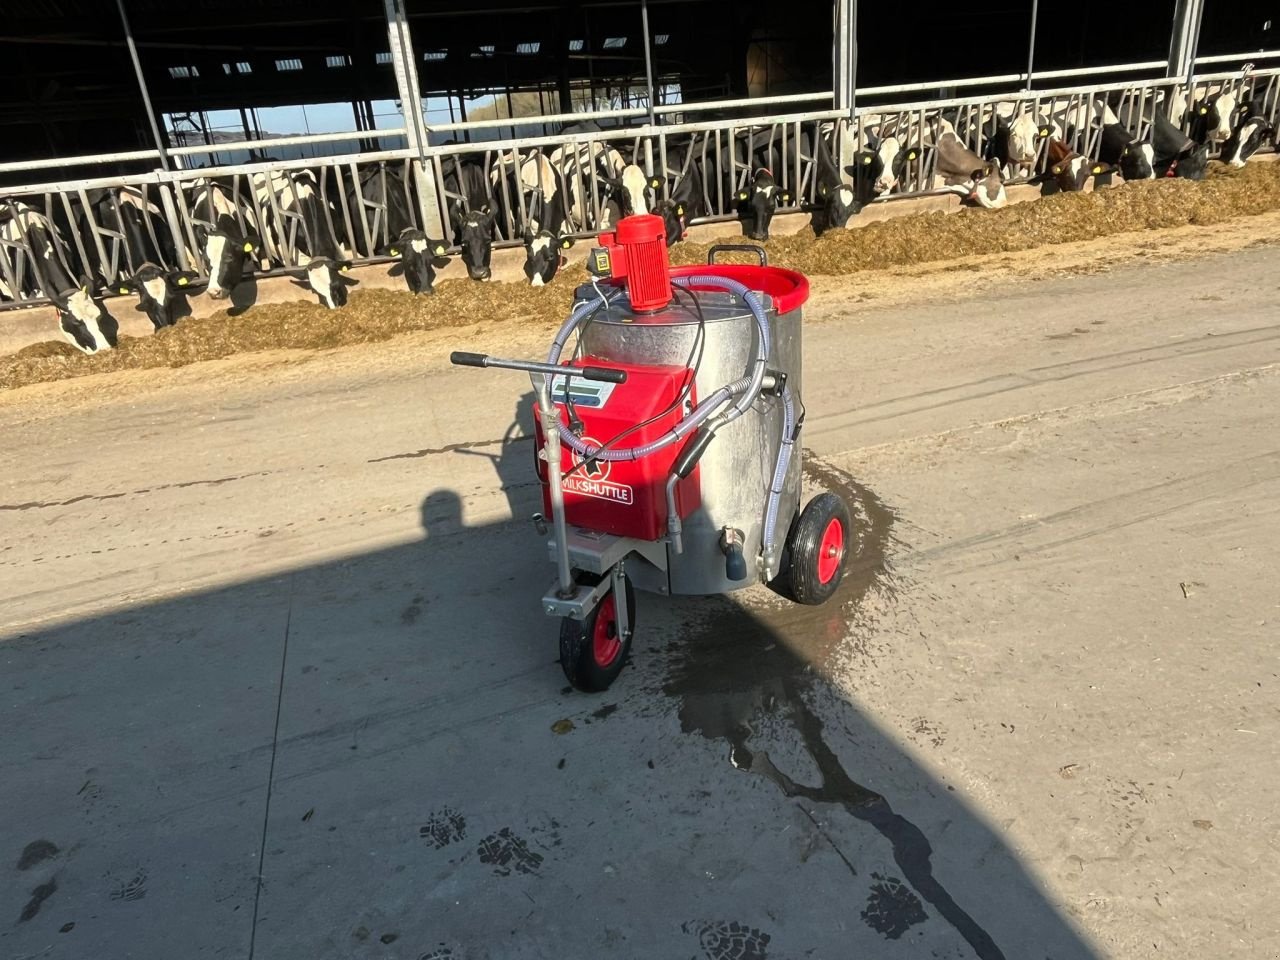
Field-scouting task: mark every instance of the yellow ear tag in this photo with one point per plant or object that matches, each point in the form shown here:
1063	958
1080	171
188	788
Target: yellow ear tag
1097	169
183	281
1056	171
439	251
866	161
343	269
1124	152
124	289
565	244
679	209
394	252
742	195
248	247
1204	111
84	289
911	155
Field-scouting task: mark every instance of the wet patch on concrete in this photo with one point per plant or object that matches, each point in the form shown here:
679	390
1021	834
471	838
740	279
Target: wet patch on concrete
892	909
744	666
38	896
37	851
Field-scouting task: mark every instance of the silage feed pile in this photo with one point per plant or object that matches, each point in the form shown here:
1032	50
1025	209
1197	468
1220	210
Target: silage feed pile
374	315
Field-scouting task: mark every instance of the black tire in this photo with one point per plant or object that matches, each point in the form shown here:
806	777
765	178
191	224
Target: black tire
591	653
812	571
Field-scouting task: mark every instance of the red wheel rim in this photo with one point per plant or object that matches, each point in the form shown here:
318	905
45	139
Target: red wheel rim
605	642
831	551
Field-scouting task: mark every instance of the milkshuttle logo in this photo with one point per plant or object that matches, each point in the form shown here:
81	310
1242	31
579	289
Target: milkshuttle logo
592	479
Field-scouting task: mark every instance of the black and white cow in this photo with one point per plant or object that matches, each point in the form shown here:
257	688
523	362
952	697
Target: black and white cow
466	186
758	203
1213	117
1120	148
1248	135
1174	154
159	291
626	195
44	271
379	187
226	247
836	200
476	241
317	261
419	257
543	255
1013	136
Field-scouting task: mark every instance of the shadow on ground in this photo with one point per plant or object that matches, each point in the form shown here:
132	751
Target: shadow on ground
390	737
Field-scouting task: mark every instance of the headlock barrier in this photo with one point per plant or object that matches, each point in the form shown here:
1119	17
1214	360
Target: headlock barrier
104	228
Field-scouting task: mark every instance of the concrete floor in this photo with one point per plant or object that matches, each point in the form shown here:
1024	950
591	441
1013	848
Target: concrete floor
275	682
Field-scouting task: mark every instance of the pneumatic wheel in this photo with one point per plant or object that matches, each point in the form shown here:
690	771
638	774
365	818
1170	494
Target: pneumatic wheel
818	550
592	651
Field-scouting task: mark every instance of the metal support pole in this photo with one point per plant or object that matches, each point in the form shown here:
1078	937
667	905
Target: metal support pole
853	57
1031	44
1185	37
406	72
142	87
648	59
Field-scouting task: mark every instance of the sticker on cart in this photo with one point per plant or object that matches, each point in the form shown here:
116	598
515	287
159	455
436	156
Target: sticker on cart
584	393
592	479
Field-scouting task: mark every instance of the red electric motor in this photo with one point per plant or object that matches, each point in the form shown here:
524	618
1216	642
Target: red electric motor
636	254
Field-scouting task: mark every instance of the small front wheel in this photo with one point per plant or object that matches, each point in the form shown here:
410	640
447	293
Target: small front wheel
818	550
592	651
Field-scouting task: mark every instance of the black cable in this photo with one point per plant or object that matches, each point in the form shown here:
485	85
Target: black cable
693	364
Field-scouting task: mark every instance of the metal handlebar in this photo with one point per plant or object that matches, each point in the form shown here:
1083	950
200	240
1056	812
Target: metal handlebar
603	374
737	248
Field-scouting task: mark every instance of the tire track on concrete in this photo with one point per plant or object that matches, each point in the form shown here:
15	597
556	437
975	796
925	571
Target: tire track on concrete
1081	522
1011	382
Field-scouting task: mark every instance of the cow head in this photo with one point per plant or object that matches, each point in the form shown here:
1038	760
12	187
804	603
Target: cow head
1025	135
1137	161
759	202
987	188
1190	164
327	278
839	203
1248	136
476	232
674	220
83	321
544	255
1073	172
225	249
868	172
628	190
1211	119
419	255
157	290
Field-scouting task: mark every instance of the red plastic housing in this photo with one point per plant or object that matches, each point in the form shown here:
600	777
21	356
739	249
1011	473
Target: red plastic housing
624	497
638	257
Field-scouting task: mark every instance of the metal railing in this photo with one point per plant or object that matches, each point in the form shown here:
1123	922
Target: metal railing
175	208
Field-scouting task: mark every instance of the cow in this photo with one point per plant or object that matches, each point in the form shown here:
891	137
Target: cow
476	232
534	188
1248	134
159	292
575	166
837	201
466	188
377	187
1013	136
320	264
1212	118
1120	148
43	270
758	203
959	167
1174	154
626	195
1071	170
419	256
543	255
226	247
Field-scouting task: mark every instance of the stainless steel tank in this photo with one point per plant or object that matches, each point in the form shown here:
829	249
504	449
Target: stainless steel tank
737	468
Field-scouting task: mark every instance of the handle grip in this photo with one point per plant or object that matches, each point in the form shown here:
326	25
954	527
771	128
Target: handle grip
462	359
737	248
691	453
606	374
